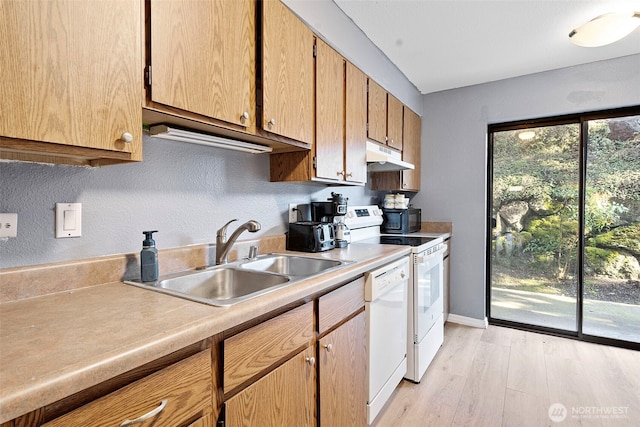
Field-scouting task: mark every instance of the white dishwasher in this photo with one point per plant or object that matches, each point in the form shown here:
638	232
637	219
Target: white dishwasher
386	292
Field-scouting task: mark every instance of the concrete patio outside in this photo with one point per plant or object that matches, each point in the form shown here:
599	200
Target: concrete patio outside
601	318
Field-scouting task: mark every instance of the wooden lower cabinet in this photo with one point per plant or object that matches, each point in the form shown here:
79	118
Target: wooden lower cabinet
322	385
285	397
342	375
179	395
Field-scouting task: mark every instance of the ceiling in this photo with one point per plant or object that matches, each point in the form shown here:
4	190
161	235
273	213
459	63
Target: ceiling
444	44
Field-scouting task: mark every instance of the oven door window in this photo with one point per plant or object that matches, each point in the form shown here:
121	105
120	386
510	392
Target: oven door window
429	302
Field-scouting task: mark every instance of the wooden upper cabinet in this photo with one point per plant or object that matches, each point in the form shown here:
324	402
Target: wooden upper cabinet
411	150
377	112
394	122
407	180
339	154
203	58
287	73
70	75
330	107
355	125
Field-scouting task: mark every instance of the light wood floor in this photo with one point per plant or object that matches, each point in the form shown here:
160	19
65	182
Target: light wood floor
505	377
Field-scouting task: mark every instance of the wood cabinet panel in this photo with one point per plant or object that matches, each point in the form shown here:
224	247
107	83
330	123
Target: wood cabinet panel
377	112
71	75
330	107
203	57
355	124
394	122
205	421
343	375
186	386
287	73
252	351
408	180
411	150
339	304
284	397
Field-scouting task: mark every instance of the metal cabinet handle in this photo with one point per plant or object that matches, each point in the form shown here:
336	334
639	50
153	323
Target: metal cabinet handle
245	115
311	360
272	122
328	347
146	416
349	175
340	173
126	137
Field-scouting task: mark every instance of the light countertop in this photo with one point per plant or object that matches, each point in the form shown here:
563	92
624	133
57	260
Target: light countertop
58	344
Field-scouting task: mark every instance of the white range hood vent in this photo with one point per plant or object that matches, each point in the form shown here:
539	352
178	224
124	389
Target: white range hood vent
166	132
382	159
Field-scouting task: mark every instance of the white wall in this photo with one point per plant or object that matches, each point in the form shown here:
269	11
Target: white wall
454	150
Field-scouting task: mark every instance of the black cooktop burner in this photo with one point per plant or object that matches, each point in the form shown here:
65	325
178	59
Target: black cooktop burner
405	240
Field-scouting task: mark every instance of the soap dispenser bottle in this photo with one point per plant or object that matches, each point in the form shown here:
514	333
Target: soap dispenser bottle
149	258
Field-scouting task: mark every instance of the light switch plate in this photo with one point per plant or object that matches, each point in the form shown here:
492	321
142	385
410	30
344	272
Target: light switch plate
68	220
8	225
293	212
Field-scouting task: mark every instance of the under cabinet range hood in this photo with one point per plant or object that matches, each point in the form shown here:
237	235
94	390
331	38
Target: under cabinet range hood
175	134
382	159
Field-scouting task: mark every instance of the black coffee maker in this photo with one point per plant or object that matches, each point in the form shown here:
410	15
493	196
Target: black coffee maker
327	211
331	212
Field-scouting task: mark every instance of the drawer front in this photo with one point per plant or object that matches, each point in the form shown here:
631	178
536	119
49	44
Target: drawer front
186	387
337	305
255	350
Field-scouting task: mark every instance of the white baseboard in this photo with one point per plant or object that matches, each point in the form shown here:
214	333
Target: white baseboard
468	321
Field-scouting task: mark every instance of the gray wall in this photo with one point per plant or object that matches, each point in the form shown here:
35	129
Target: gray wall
454	141
185	191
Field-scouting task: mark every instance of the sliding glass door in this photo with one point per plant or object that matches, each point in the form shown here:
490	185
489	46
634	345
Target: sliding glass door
612	229
565	226
536	175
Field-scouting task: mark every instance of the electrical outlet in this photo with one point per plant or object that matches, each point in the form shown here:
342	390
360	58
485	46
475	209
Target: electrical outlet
8	224
293	212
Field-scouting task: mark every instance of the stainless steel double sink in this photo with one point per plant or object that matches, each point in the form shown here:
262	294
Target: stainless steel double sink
228	284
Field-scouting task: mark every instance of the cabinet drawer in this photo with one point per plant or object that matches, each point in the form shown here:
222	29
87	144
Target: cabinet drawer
337	305
254	350
186	386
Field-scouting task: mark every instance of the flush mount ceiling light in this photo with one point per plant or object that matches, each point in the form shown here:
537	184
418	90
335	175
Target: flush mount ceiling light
526	135
605	29
166	132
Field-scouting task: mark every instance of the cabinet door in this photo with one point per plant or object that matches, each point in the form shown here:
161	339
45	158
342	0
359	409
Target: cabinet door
203	57
394	122
329	147
377	112
343	375
287	73
70	73
170	397
411	150
285	397
355	124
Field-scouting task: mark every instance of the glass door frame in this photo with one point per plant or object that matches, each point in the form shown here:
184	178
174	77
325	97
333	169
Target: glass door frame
583	120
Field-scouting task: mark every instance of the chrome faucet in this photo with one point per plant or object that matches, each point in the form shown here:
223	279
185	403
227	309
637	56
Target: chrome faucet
223	245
